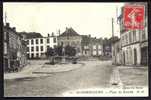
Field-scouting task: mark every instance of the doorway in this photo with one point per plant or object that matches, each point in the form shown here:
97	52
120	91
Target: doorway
135	57
144	56
124	58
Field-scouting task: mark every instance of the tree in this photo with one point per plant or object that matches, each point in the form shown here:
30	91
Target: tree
70	51
50	54
58	50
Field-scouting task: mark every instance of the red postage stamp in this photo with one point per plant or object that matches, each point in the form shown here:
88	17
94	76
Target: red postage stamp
134	17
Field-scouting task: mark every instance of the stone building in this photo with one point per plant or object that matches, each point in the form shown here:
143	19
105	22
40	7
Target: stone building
107	47
134	43
85	45
96	46
6	61
14	49
91	46
72	38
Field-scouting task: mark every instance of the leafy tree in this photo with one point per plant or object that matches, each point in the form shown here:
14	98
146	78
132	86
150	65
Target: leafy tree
70	51
50	54
58	50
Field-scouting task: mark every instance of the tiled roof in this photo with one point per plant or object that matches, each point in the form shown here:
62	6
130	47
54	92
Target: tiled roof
31	35
69	32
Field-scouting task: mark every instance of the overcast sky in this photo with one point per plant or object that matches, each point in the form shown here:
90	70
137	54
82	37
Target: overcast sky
84	18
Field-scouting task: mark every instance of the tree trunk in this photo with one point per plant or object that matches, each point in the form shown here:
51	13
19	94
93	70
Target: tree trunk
51	59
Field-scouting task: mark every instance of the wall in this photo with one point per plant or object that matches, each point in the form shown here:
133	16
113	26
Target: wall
44	45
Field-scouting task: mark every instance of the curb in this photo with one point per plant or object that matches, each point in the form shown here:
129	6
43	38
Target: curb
51	72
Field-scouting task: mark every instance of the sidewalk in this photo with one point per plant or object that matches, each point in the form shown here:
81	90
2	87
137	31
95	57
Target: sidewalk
130	76
134	76
26	71
37	69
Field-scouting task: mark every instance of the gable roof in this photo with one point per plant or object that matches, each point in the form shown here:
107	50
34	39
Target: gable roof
31	35
69	32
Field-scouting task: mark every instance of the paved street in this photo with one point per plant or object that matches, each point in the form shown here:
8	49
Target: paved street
92	74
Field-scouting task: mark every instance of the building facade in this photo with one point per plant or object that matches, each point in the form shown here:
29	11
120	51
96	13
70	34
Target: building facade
14	49
37	47
91	46
6	61
72	38
96	46
107	47
134	43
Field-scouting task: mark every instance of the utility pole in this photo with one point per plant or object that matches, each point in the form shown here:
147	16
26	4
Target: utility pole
112	27
117	15
5	18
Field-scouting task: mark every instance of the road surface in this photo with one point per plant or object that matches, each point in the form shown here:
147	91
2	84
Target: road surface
92	74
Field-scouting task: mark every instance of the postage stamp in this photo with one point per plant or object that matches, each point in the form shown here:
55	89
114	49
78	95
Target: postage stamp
134	17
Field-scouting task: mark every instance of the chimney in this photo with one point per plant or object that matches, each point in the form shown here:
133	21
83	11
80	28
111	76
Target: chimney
7	24
48	34
52	34
14	28
59	32
89	35
66	28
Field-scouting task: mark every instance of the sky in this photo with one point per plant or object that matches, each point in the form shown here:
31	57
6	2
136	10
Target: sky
84	18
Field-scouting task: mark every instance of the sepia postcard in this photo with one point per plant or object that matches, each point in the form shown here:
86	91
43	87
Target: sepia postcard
64	49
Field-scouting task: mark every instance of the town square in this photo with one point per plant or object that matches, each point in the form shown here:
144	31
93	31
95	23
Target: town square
58	49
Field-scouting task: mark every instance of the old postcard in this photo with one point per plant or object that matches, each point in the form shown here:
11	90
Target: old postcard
75	49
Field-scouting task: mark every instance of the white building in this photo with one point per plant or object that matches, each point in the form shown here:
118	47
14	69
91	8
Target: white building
37	47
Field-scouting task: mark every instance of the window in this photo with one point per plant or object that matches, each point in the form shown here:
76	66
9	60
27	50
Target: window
94	46
37	48
47	46
130	38
32	41
41	41
32	55
85	52
48	40
42	54
5	35
54	40
37	55
27	42
62	43
143	35
134	35
122	40
27	49
28	56
94	52
32	48
126	39
99	46
36	41
41	48
5	48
